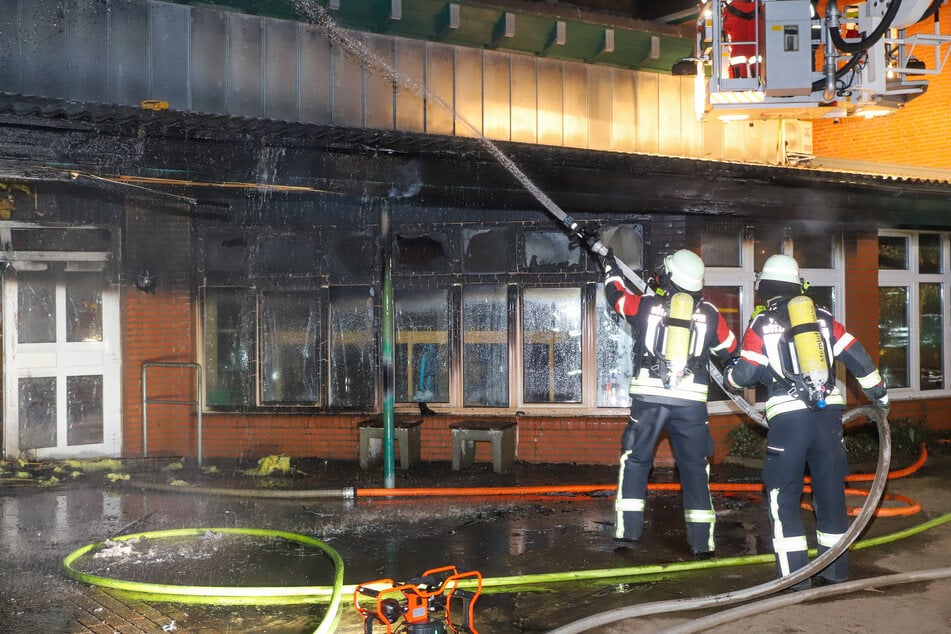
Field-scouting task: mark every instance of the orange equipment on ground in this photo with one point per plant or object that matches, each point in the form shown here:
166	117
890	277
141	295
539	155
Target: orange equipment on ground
411	605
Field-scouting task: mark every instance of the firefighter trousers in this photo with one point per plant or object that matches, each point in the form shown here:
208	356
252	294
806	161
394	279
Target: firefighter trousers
691	442
797	440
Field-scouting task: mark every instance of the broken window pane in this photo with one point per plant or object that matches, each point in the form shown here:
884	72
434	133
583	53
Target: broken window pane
290	323
36	308
627	243
427	253
487	250
37	412
551	345
83	308
485	350
84	410
229	342
614	355
545	249
352	348
422	346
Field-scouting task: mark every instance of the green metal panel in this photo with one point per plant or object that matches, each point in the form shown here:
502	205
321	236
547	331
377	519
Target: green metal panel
482	26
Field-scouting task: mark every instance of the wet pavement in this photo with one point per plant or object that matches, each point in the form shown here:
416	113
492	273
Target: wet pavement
42	521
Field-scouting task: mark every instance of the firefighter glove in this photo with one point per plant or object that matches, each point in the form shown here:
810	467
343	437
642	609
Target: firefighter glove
879	397
606	262
728	373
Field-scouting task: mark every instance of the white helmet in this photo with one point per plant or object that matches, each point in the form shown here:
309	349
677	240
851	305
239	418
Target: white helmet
685	269
781	268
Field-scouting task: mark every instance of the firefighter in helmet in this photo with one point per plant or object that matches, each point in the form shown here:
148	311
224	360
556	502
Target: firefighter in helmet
675	331
790	346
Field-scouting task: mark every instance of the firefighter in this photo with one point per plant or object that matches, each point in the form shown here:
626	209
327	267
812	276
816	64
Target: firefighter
675	331
805	418
739	28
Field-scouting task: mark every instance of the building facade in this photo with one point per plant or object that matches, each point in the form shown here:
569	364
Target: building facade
203	208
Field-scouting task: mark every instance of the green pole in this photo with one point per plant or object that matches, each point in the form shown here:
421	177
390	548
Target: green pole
389	377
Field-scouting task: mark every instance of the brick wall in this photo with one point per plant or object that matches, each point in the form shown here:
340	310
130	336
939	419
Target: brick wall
158	326
541	439
861	301
918	134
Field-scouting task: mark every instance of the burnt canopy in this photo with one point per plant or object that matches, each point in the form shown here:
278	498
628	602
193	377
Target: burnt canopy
44	138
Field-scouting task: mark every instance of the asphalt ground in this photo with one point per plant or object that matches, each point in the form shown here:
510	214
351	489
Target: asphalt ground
517	535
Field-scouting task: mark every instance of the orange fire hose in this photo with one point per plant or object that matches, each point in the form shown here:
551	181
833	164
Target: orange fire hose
723	487
910	506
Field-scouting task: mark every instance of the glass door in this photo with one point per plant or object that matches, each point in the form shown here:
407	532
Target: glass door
61	359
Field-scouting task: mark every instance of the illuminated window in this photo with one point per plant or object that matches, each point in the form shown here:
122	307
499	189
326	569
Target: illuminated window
551	345
485	346
913	316
422	346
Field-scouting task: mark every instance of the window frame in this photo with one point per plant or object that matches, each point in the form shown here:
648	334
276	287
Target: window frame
911	279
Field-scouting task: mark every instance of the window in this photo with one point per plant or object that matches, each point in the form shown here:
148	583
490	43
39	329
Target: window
614	354
487	315
913	316
353	359
290	323
270	319
549	250
551	345
485	346
728	300
488	250
228	343
422	346
893	335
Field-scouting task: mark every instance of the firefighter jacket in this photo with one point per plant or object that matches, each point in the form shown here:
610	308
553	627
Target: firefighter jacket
765	358
648	316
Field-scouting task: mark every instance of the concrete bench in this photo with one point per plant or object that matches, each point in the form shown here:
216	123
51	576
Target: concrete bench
406	433
501	433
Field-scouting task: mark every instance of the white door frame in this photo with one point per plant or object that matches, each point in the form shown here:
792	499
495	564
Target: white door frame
62	359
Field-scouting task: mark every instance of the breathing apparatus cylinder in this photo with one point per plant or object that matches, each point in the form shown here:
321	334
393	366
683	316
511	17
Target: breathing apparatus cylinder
676	348
810	349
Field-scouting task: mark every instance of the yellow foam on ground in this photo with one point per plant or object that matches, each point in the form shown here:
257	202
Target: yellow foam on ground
268	465
96	464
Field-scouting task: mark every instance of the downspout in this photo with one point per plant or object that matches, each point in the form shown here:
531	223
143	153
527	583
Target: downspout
387	359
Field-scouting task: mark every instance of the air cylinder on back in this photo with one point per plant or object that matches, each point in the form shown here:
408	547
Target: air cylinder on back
677	340
810	350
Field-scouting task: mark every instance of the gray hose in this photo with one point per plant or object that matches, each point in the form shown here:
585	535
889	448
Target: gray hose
772	603
271	494
764	589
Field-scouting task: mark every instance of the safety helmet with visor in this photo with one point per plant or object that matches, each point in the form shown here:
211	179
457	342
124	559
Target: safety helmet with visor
780	276
685	269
